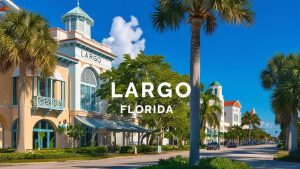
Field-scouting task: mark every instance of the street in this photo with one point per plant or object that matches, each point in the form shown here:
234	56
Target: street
259	157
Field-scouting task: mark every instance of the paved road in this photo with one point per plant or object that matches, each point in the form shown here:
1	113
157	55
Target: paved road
259	157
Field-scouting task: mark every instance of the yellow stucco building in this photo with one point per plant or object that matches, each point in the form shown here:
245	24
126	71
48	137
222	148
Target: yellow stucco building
68	97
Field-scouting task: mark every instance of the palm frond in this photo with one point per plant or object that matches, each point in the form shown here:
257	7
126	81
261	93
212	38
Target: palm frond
234	11
168	14
25	38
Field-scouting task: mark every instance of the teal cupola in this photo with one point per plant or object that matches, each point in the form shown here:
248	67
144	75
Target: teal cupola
215	83
216	89
77	20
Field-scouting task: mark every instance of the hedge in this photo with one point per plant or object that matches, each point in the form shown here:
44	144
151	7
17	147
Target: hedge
150	149
169	148
126	149
55	153
8	155
102	150
179	162
146	149
23	156
113	149
7	150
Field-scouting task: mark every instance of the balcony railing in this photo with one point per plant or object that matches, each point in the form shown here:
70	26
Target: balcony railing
47	103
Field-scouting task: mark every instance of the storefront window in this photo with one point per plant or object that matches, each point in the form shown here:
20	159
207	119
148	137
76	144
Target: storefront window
43	135
88	90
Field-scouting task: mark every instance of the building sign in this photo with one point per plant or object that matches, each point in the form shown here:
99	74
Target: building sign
90	56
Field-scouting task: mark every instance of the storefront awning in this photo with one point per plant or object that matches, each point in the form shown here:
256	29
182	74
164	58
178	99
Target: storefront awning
112	125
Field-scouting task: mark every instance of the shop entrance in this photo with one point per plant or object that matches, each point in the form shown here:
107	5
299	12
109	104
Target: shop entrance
43	135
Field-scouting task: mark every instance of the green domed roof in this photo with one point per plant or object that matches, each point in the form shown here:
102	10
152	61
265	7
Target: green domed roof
215	83
77	11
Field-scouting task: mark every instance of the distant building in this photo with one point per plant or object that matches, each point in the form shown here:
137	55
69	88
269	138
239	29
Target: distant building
230	115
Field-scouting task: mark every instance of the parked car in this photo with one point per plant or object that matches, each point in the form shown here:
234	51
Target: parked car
248	143
213	146
231	145
257	143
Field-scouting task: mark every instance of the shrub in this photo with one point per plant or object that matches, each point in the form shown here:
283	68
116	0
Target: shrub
203	146
126	149
7	150
185	147
113	149
146	149
89	150
117	148
93	150
286	156
222	163
179	162
55	153
169	147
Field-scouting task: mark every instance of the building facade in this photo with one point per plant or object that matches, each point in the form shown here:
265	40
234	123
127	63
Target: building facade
66	98
229	117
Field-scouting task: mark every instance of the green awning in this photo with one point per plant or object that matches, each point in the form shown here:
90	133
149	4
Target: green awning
112	125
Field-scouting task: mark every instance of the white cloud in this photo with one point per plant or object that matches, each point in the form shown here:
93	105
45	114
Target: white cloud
125	38
267	125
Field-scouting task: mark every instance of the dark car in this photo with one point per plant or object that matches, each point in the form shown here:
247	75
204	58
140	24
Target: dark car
231	145
213	146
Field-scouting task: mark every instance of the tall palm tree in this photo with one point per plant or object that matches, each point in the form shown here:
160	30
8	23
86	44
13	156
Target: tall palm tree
282	76
270	78
286	97
169	14
25	42
210	109
252	120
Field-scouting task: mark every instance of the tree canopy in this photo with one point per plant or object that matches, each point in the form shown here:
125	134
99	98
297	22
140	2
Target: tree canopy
25	39
210	109
282	77
148	69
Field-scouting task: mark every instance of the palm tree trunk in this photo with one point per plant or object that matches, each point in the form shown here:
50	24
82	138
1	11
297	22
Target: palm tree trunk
21	112
249	136
195	92
287	131
293	133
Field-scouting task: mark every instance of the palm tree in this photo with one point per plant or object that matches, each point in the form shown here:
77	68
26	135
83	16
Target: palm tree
270	79
209	109
282	76
252	120
285	97
237	132
25	42
169	14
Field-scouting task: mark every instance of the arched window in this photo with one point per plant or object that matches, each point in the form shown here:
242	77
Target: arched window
88	90
43	135
15	134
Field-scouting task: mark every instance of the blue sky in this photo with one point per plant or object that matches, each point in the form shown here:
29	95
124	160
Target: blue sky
234	56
